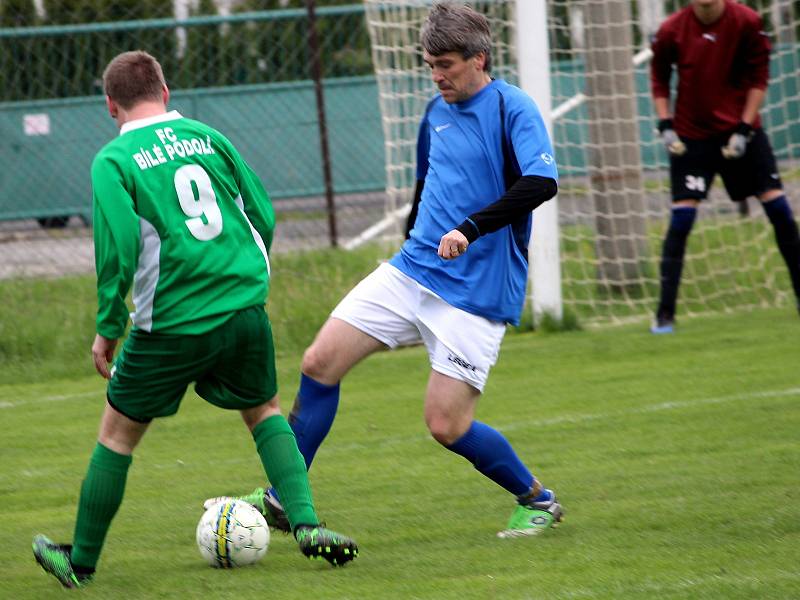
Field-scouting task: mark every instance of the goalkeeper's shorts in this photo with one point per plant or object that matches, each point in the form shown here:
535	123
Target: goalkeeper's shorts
692	173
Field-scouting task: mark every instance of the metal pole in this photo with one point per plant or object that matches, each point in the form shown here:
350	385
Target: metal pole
316	74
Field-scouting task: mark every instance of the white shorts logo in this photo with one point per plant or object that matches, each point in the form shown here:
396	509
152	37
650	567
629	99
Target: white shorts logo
697	184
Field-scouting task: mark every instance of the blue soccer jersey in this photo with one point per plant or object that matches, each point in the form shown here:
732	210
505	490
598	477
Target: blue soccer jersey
460	157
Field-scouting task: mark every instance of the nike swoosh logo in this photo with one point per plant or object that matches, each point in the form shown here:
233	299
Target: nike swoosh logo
439	128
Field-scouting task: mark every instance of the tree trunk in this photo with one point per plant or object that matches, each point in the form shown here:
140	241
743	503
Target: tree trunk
615	164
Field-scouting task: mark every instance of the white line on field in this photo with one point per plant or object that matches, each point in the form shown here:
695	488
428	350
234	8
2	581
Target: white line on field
662	406
585	418
350	447
58	398
410	439
682	583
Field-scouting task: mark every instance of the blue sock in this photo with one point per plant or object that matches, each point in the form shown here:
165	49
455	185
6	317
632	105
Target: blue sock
778	209
491	454
674	247
780	215
312	415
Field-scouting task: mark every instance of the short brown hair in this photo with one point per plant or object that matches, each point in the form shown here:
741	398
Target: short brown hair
452	27
133	77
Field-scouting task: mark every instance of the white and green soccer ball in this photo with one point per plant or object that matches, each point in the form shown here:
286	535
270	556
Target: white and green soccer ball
232	534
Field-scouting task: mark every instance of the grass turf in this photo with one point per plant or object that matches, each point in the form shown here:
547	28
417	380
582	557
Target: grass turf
676	458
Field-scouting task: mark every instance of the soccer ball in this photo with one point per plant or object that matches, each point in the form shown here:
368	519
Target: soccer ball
232	534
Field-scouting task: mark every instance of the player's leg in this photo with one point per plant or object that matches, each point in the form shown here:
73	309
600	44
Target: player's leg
286	470
376	314
691	175
765	182
101	495
682	217
780	214
104	485
462	349
449	414
336	349
150	376
244	376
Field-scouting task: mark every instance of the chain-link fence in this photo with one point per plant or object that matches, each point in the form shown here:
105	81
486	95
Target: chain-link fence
243	67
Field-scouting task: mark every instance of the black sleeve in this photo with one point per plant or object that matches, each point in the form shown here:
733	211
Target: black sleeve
521	198
412	216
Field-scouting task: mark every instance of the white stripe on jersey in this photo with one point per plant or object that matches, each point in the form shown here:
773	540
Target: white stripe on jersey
146	277
256	236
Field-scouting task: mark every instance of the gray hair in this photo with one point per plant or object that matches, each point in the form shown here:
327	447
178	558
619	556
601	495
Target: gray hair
452	27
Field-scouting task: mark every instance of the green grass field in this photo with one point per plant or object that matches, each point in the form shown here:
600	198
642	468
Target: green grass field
676	459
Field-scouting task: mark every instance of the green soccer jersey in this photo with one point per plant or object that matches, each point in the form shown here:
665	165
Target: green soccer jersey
182	218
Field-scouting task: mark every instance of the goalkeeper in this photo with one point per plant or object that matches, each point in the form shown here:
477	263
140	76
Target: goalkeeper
183	219
484	162
722	58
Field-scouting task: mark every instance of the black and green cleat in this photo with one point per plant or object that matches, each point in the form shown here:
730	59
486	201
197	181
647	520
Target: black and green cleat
319	542
265	501
54	558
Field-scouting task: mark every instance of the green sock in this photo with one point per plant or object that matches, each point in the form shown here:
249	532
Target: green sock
101	495
286	469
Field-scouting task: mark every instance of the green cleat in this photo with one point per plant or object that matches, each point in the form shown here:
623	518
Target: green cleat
54	558
318	542
265	502
533	519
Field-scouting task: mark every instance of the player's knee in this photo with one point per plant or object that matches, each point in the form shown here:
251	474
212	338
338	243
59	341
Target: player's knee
254	416
443	430
318	365
682	220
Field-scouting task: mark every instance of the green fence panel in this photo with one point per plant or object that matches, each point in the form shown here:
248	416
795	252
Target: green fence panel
46	147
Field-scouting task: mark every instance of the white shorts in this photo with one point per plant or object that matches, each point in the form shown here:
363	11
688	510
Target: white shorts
396	310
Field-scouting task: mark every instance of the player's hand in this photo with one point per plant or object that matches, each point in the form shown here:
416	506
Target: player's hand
737	143
103	354
452	245
670	138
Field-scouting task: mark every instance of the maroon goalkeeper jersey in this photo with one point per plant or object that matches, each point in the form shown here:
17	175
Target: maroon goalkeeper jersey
717	64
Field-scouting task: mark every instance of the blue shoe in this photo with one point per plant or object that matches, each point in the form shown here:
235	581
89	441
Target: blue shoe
661	326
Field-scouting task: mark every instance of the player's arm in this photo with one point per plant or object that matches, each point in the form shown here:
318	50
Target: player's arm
257	205
256	201
662	108
116	249
664	54
532	152
412	214
529	192
423	147
755	49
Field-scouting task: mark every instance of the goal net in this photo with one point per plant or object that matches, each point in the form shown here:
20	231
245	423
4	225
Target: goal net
614	197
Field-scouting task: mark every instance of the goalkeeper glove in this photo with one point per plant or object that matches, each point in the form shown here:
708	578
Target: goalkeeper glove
737	143
671	140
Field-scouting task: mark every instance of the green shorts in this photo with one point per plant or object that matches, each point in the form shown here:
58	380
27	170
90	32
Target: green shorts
233	367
